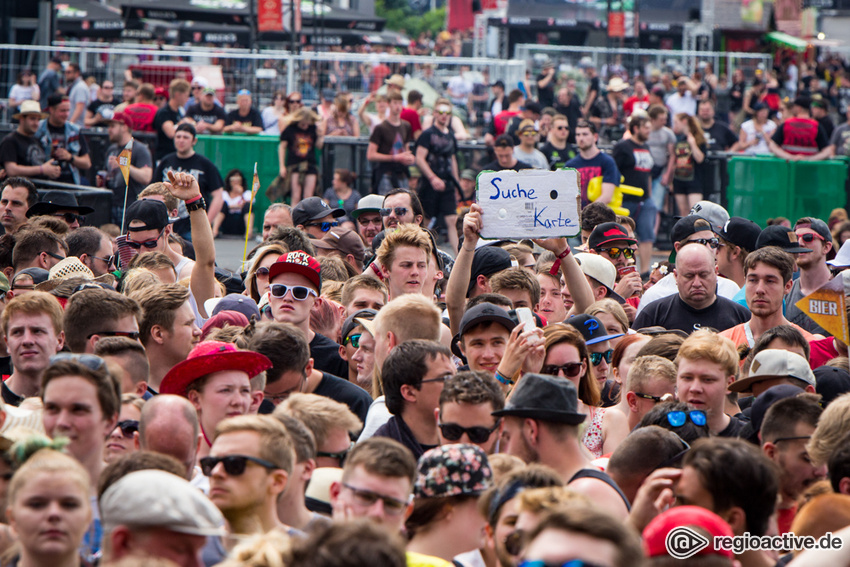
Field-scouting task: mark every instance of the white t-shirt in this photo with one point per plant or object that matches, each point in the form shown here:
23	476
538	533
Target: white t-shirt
762	147
686	104
535	159
22	93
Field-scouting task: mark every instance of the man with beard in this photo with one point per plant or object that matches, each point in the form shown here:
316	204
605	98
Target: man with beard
787	427
21	153
401	206
436	158
591	162
635	162
17	195
813	234
62	138
141	165
367	215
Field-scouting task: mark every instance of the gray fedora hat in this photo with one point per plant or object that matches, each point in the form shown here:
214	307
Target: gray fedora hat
547	398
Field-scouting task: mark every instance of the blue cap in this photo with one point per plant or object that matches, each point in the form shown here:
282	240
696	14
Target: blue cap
243	92
591	329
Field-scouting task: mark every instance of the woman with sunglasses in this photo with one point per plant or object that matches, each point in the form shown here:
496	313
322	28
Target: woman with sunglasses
49	508
120	441
297	153
446	521
257	278
567	357
216	378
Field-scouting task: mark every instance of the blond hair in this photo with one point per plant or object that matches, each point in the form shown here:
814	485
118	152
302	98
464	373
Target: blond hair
50	461
647	367
612	308
34	303
160	189
408	234
138	279
411	316
320	414
540	500
708	345
517	278
833	424
275	443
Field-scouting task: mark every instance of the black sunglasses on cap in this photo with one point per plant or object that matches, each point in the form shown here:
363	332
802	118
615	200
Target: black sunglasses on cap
234	465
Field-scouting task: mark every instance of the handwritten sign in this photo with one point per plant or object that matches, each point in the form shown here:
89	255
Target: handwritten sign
826	307
529	204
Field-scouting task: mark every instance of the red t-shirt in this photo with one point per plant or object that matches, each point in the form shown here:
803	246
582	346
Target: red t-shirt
500	121
142	115
822	351
634	102
411	117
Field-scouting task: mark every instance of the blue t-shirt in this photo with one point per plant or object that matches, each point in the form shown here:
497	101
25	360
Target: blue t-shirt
600	165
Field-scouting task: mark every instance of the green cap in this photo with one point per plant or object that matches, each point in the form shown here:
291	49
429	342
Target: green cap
4	283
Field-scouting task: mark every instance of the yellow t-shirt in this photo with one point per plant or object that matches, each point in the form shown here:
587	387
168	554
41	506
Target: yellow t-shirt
418	560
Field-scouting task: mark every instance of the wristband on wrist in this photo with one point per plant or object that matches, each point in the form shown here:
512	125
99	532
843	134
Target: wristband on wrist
503	379
556	267
377	270
196	205
193	199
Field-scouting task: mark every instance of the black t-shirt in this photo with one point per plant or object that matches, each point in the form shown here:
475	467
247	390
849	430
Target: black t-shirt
719	137
391	140
57	136
22	150
573	114
494	166
9	396
212	116
325	355
164	144
733	429
635	164
343	391
105	109
737	96
557	157
300	144
672	313
441	148
546	95
205	171
254	117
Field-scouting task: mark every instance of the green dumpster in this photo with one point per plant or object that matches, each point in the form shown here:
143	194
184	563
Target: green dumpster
238	151
763	187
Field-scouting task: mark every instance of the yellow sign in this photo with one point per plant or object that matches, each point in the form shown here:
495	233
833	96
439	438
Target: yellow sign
827	307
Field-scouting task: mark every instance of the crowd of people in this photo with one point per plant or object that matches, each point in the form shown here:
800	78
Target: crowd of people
355	395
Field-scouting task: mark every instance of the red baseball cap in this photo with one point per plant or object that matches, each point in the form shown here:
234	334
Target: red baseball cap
298	263
123	119
655	534
209	357
161	91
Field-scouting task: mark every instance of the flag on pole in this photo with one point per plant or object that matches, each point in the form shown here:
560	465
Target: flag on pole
255	187
124	165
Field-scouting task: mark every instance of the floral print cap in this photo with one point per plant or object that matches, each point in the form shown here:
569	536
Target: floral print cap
453	470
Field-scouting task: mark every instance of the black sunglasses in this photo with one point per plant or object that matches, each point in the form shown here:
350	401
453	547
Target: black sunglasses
325	226
234	465
134	335
656	399
109	260
354	340
90	361
70	217
146	243
712	243
571	369
479	434
54	255
596	357
340	455
128	427
399	211
299	292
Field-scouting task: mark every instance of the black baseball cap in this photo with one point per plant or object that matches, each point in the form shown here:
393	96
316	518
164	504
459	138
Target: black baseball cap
803	102
481	313
486	261
816	225
606	233
153	213
689	225
741	232
311	209
591	328
781	237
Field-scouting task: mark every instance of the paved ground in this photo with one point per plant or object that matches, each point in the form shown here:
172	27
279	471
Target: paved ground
228	252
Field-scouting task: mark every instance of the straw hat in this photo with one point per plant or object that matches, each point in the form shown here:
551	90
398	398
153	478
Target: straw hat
30	107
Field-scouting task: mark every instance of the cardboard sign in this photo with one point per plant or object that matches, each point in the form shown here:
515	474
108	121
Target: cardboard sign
826	307
531	203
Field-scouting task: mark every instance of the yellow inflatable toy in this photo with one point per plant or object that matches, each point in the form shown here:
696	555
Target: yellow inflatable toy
594	191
